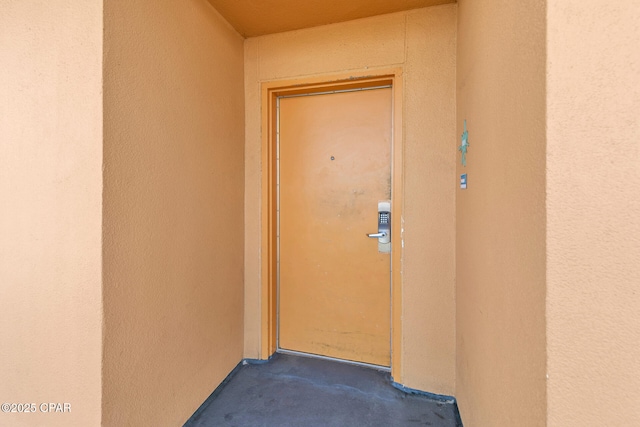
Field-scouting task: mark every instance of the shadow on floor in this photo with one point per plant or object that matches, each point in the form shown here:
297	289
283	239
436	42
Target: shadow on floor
300	391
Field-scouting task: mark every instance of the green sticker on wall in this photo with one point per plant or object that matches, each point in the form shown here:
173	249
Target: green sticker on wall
465	144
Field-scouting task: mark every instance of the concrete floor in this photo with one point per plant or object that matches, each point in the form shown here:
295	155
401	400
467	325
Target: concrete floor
301	391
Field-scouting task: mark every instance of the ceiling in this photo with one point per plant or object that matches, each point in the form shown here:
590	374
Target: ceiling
259	17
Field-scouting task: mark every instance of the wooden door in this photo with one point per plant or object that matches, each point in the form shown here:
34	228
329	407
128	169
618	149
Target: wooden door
334	168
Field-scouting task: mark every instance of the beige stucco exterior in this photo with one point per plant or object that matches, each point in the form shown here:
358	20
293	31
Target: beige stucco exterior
593	214
422	44
500	217
172	226
130	185
50	209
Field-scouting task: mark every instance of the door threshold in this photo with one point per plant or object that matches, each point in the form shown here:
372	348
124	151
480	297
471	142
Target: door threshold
334	359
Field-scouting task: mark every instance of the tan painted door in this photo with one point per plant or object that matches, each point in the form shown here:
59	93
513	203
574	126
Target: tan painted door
334	167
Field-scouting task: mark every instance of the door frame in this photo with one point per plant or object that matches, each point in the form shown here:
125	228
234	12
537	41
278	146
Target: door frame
270	91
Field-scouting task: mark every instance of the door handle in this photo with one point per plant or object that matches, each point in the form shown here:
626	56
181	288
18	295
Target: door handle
384	226
377	235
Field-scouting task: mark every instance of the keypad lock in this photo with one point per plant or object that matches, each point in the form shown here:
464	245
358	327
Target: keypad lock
383	218
384	224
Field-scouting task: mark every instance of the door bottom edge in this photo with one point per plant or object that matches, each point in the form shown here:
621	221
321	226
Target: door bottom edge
334	359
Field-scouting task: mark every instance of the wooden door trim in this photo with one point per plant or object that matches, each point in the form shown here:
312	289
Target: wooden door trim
270	91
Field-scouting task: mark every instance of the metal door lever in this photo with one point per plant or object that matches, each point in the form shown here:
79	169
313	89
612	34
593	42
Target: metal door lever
384	227
377	235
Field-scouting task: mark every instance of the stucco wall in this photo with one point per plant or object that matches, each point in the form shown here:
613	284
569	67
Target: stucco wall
422	43
500	232
50	209
173	208
593	213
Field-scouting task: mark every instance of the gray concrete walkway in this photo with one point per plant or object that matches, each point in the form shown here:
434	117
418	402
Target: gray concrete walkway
305	392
